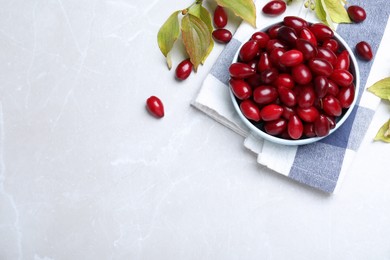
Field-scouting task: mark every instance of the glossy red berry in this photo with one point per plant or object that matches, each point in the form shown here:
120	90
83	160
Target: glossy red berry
343	78
295	22
265	94
249	50
262	38
287	34
250	110
269	75
320	67
307	48
276	43
306	97
253	64
309	114
240	70
331	105
326	54
288	112
275	55
274	7
254	81
342	61
363	49
184	69
295	127
275	127
273	31
240	88
264	62
333	88
155	106
287	96
356	13
331	44
308	130
346	96
321	126
301	74
332	121
271	112
284	80
321	31
220	17
291	58
222	35
306	34
321	84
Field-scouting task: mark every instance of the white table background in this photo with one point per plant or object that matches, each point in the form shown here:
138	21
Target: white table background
87	173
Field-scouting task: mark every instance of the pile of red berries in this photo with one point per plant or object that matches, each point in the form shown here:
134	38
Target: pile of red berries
293	80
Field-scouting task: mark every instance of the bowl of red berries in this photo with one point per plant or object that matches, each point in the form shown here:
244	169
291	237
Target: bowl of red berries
294	82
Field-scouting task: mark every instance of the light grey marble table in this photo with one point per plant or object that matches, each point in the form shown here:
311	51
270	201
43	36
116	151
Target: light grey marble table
87	173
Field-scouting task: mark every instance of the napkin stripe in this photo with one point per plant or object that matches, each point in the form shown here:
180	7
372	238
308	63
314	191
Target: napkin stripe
360	126
321	161
224	60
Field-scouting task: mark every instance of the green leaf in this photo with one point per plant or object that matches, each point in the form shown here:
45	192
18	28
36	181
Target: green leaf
320	12
202	13
196	38
167	35
381	88
337	11
245	9
324	13
384	133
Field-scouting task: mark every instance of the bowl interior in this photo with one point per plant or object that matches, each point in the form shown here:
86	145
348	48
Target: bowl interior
339	120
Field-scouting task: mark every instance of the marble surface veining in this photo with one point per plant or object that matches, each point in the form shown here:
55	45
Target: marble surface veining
87	173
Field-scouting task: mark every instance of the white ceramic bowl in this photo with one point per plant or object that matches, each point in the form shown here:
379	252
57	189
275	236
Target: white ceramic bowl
339	120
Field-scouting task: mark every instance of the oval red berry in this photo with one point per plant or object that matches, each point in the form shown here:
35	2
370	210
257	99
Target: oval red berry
183	70
155	106
250	110
222	35
275	7
364	50
220	17
356	13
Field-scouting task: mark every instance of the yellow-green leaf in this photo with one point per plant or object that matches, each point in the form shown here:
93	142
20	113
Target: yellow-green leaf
321	5
245	9
320	12
196	38
167	35
381	88
337	11
202	13
384	133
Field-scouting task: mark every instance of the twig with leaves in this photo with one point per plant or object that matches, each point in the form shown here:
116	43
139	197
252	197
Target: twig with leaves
196	29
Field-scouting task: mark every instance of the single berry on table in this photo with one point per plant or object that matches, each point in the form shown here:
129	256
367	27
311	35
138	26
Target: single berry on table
183	70
155	106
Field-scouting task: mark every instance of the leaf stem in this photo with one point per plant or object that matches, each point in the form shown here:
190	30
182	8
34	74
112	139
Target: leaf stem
197	2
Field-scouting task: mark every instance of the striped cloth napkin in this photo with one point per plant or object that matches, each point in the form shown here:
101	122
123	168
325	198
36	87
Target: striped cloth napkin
323	164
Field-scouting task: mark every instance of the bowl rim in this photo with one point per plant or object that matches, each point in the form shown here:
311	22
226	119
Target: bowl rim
341	119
